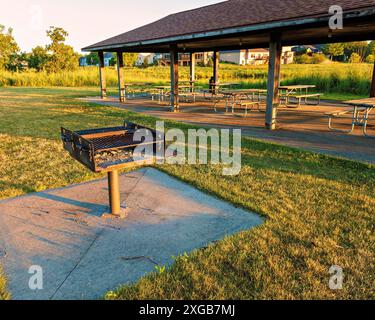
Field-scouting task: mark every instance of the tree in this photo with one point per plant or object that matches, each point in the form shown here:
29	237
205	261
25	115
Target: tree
92	59
38	58
130	59
357	47
18	62
371	49
113	60
57	35
370	58
8	47
355	58
62	56
334	50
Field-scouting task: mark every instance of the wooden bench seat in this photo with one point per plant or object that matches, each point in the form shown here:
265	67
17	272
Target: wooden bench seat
189	96
247	104
299	97
338	113
308	95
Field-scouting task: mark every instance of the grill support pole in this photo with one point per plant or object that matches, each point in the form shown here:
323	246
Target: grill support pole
273	81
103	84
114	192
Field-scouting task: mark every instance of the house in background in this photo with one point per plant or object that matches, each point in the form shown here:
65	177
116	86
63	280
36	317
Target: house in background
240	57
257	56
245	57
84	61
254	56
164	59
146	59
287	55
203	57
308	49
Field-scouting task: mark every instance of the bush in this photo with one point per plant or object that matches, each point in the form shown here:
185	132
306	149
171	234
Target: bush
318	58
302	59
370	58
306	59
355	58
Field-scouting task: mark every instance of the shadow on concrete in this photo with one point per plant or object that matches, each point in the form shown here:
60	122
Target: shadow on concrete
94	209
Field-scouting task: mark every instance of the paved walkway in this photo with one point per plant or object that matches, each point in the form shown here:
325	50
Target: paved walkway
306	127
84	255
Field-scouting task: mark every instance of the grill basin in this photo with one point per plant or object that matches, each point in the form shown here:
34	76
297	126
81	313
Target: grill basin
108	149
111	149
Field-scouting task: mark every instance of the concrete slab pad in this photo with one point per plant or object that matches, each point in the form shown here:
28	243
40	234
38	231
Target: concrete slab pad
84	255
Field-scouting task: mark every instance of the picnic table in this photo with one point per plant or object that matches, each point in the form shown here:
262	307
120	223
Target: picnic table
163	91
243	97
135	87
360	109
191	83
213	90
299	92
228	85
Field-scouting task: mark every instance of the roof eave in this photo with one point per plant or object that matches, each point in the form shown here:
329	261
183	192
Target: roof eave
231	31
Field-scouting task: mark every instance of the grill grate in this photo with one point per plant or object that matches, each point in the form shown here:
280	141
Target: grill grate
112	142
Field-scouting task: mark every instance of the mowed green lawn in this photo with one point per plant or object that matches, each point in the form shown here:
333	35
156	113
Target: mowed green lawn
4	294
319	210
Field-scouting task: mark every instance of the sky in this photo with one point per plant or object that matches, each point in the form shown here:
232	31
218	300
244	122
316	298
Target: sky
87	21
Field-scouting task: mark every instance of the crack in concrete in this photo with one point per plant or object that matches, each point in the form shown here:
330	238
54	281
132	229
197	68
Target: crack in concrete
140	258
93	242
77	264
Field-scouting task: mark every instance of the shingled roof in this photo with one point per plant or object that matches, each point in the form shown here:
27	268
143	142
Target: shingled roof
230	14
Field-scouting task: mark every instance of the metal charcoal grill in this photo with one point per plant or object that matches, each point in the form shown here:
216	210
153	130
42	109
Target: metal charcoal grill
109	150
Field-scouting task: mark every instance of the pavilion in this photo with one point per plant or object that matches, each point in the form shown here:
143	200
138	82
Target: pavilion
242	24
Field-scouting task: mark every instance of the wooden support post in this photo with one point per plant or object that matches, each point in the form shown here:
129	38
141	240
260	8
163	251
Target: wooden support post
273	81
372	91
120	76
216	69
192	71
174	80
103	84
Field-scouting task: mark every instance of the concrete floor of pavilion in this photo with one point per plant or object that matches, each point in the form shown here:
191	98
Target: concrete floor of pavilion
305	127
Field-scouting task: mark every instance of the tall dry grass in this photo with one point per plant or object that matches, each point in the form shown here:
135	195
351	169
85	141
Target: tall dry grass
335	77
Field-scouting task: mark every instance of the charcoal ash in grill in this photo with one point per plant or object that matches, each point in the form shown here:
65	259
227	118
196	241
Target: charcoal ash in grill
105	159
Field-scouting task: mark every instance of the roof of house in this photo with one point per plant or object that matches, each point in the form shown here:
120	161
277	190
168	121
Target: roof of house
317	47
230	14
259	50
